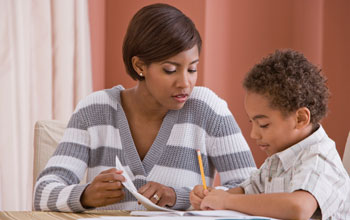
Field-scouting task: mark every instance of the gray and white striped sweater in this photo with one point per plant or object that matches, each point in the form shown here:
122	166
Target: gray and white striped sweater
98	131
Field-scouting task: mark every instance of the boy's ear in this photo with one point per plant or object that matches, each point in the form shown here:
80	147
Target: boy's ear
303	117
138	64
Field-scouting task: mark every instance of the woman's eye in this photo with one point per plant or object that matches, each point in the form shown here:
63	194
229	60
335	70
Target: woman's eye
192	70
264	126
169	71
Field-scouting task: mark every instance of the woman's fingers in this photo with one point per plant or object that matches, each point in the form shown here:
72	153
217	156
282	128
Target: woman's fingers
144	188
105	189
111	177
111	186
159	194
148	191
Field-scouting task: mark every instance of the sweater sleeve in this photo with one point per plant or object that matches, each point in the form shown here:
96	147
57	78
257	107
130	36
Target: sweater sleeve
57	187
182	198
230	152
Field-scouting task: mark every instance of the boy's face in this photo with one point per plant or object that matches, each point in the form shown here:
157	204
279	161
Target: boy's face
272	131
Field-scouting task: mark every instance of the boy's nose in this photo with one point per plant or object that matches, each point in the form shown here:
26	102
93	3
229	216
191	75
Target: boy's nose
254	133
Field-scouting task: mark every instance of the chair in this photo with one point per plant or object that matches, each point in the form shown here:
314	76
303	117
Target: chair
47	134
346	156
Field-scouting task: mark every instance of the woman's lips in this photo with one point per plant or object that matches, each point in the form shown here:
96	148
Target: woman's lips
180	97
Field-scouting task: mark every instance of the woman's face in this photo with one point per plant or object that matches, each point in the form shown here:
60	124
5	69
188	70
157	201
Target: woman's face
169	83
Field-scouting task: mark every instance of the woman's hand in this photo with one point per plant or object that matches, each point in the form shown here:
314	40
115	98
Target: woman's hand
104	190
197	195
214	200
159	194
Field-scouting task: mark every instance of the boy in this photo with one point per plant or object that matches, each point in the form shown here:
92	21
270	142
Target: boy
286	97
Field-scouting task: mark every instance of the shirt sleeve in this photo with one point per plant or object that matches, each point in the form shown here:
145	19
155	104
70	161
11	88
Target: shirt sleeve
318	173
57	187
254	184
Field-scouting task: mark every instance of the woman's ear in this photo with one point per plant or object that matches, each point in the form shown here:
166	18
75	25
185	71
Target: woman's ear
138	65
303	117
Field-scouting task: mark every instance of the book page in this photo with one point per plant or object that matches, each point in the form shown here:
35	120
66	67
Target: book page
207	213
148	204
154	218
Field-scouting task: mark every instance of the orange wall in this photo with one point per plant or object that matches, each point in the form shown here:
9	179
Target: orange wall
246	31
236	35
336	60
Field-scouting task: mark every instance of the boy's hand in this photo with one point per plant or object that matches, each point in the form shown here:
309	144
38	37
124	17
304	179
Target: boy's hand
215	199
197	194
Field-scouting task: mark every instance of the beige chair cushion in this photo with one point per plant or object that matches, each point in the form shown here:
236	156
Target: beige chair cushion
47	135
346	156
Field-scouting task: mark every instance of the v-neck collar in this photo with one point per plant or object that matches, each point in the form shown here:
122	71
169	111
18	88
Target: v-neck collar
155	152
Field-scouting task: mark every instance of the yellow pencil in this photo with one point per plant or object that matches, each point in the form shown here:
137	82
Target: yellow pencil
201	168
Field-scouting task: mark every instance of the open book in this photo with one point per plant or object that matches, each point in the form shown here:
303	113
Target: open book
148	204
209	213
155	210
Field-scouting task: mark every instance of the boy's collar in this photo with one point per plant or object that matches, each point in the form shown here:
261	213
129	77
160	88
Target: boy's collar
289	155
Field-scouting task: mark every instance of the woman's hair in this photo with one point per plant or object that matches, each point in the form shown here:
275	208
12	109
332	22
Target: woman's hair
290	82
157	32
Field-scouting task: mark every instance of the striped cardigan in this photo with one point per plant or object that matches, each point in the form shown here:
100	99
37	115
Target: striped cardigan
98	131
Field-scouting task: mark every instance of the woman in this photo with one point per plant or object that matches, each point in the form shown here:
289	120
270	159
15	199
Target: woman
154	128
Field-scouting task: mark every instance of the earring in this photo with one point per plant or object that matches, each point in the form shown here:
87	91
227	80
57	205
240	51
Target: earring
141	74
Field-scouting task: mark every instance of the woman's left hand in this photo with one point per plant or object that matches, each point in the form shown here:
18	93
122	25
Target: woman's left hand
159	194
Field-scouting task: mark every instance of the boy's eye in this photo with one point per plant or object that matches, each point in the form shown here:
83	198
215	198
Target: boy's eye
192	70
264	126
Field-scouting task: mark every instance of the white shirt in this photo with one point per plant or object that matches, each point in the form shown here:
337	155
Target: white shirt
312	165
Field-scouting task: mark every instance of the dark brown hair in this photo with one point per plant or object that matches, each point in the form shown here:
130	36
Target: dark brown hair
157	32
290	82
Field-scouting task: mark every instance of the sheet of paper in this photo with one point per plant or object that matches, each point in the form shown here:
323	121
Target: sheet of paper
217	213
155	217
214	214
148	204
157	213
174	218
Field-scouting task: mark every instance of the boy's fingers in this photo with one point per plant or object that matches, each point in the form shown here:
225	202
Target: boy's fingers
199	193
205	192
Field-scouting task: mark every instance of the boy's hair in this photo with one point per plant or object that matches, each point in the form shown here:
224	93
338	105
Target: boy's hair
290	82
156	33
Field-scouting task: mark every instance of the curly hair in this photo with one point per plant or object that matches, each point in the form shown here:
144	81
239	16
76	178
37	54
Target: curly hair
290	82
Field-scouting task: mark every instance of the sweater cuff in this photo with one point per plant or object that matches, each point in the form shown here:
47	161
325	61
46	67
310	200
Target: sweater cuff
74	200
182	199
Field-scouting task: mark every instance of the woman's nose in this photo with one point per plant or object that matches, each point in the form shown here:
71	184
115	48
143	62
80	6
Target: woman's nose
183	80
